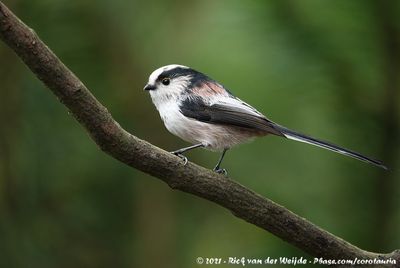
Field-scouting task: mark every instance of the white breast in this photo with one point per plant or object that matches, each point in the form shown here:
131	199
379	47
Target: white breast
212	136
177	123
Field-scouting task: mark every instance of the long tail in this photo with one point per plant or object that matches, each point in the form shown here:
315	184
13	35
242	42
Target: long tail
290	134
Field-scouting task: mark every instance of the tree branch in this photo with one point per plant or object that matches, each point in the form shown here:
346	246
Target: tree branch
139	154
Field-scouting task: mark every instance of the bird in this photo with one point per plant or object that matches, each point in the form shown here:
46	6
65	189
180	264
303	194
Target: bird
201	111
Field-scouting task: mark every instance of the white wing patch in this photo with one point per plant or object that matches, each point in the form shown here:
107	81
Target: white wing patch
235	103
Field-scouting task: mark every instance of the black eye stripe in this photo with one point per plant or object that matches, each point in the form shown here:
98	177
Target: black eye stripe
195	78
176	72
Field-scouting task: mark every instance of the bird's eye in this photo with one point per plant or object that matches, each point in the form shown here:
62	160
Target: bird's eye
165	81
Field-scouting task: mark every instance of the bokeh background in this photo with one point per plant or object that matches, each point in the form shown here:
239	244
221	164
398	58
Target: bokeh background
327	68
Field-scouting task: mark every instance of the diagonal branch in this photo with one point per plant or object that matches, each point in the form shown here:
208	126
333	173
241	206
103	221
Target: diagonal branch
139	154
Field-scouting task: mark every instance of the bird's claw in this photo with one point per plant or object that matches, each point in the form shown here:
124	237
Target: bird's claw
221	171
181	156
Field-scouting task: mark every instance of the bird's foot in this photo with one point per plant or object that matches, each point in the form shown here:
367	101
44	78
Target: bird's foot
221	171
181	156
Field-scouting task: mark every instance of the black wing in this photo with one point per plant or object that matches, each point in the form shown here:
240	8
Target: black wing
227	111
237	113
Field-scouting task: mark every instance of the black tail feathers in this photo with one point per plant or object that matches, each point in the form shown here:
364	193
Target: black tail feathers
290	134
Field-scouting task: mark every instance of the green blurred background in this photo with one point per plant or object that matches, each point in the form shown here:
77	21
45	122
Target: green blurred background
327	68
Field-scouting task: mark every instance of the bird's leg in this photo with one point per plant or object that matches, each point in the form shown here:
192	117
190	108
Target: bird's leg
217	167
180	151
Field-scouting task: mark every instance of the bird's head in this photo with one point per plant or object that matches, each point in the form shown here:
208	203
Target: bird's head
168	82
172	81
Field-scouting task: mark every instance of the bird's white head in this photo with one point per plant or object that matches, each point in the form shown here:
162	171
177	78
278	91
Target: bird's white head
167	83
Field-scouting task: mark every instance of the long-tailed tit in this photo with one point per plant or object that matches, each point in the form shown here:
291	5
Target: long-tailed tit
201	111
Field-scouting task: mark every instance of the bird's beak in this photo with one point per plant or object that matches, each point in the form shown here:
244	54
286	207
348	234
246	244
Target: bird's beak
149	87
